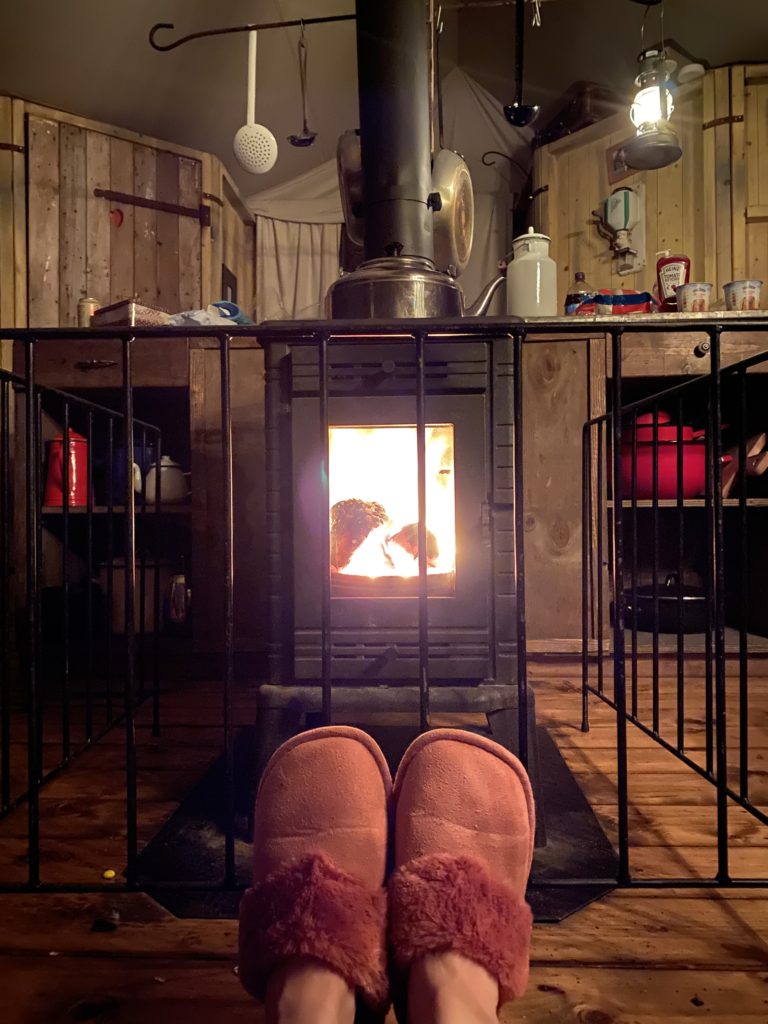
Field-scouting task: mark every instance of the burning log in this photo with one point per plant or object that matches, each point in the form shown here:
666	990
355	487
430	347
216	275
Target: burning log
408	539
351	522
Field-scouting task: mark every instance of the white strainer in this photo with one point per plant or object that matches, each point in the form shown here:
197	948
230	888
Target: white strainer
255	146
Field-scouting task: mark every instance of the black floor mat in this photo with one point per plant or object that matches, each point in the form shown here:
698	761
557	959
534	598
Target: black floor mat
190	846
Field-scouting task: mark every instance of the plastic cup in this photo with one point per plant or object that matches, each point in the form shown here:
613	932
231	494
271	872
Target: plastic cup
693	297
742	295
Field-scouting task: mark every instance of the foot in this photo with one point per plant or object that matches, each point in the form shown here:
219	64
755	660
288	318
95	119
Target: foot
313	924
304	991
464	824
447	988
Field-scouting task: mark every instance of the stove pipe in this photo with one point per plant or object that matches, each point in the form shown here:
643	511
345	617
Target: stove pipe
393	82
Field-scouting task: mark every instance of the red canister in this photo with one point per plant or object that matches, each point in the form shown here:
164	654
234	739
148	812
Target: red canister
77	483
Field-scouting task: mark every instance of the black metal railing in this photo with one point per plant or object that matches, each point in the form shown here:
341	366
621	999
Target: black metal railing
121	698
667	555
72	666
611	522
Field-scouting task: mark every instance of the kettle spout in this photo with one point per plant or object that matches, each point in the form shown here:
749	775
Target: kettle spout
480	306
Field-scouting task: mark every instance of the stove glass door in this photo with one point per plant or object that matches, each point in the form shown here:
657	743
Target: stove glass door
374	509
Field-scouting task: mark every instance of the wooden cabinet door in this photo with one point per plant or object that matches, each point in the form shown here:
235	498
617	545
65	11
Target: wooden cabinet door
84	244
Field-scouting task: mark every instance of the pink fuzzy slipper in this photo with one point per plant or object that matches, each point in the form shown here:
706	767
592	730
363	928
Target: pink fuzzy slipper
319	862
464	828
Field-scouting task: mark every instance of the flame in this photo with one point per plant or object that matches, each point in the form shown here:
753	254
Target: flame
374	469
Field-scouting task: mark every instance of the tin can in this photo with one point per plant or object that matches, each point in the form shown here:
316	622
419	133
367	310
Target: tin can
85	310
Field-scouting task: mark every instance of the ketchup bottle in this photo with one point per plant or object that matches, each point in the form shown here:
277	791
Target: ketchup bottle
671	272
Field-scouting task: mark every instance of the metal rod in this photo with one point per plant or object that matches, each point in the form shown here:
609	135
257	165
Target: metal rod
65	558
709	583
744	592
519	49
33	739
601	456
260	27
110	565
229	607
522	634
5	596
491	428
156	621
718	561
586	557
130	618
143	563
619	667
655	573
41	665
633	497
89	578
306	332
680	644
421	460
325	534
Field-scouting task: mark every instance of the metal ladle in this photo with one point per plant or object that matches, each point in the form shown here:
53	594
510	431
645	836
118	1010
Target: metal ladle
518	113
306	136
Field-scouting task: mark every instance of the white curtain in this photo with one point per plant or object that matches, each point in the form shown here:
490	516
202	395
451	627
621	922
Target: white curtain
295	265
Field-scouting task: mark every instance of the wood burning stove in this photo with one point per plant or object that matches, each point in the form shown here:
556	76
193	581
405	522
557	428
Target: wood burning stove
394	577
357	522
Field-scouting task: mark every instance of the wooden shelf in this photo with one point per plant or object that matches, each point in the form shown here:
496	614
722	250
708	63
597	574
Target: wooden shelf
103	510
691	503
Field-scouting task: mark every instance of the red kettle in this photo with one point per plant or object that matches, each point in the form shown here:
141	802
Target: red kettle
77	483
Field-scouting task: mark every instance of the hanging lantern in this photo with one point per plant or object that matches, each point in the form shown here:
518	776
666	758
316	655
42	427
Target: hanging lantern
656	144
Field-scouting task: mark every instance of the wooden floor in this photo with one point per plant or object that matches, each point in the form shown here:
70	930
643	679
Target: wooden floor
635	957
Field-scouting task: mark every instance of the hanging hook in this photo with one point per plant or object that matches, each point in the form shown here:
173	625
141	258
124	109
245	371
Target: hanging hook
506	156
164	48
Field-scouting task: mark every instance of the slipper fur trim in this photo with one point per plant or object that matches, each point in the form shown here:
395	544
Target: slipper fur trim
311	908
440	903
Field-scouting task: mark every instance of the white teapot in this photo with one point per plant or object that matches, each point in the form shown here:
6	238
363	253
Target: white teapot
173	482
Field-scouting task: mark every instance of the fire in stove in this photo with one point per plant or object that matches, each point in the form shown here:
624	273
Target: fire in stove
374	508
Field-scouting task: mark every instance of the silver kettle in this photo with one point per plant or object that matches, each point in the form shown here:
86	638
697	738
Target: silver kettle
403	287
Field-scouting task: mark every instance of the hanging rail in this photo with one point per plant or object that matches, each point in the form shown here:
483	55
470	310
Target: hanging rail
293	23
262	27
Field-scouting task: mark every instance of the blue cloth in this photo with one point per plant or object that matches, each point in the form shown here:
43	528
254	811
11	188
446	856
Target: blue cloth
230	311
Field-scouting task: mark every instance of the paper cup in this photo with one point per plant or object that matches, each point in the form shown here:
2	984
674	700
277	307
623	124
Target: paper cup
742	294
693	297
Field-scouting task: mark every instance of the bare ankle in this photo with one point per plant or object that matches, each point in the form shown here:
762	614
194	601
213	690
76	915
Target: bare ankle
446	988
305	991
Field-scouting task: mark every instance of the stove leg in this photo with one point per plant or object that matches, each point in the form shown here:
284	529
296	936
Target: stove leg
503	726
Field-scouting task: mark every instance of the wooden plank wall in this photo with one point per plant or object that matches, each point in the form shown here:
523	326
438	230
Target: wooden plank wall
712	204
755	181
574	169
80	244
7	263
555	406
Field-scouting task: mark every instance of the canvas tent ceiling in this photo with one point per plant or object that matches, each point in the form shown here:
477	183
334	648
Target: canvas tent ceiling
298	221
93	58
